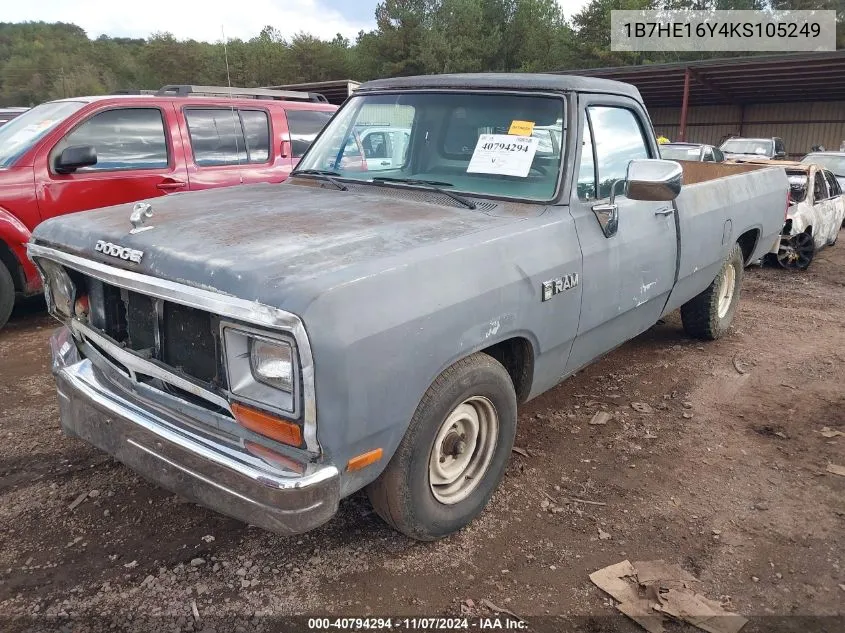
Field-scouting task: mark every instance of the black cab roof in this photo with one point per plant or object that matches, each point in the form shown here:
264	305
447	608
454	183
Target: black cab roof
504	81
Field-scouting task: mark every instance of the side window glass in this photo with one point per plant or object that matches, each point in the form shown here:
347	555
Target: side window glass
216	137
708	154
126	138
832	184
304	125
586	185
819	188
257	132
619	139
718	156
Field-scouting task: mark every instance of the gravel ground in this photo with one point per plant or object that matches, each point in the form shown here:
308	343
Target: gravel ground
725	476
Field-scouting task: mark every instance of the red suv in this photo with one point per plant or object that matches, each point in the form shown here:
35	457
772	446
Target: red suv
88	152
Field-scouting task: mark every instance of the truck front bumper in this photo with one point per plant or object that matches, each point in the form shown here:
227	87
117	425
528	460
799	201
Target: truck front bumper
205	467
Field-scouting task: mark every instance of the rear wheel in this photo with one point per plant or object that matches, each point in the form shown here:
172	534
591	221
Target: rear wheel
796	252
710	314
454	453
7	294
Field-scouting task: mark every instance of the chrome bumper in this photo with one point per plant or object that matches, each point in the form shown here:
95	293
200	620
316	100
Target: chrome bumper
159	445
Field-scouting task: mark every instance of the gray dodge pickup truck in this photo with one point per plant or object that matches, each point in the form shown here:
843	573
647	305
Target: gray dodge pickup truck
268	350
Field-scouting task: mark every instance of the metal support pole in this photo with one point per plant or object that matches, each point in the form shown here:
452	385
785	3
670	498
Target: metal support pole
682	135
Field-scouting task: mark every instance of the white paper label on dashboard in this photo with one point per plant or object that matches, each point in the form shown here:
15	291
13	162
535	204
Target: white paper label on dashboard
503	154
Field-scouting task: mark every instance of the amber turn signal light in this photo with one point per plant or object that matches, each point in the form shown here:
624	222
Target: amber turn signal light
365	459
267	425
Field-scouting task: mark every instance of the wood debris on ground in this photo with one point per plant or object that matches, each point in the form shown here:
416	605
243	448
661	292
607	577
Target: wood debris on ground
652	593
497	609
76	502
829	432
642	407
836	469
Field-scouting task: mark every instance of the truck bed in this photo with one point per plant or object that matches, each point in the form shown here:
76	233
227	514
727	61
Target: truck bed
744	199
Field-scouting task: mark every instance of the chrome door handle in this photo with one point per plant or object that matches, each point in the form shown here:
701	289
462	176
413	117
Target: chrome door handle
664	211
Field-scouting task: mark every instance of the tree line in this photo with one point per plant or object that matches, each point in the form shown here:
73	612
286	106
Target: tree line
41	61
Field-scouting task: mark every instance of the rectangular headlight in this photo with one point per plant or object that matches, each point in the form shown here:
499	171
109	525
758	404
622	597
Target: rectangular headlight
262	368
58	288
271	362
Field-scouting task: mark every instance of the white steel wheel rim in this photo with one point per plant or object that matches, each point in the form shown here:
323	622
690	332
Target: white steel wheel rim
463	449
726	290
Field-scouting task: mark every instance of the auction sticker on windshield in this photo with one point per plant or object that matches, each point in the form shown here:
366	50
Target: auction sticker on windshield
521	128
503	154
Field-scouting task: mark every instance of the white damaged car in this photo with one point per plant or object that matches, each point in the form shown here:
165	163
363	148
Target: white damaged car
814	216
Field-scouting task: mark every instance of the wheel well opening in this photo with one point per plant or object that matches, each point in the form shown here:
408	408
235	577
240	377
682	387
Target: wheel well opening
517	356
747	242
8	259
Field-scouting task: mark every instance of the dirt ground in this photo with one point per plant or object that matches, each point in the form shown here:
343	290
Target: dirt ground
726	477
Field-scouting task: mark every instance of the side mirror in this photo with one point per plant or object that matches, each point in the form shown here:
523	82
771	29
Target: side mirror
653	180
75	157
780	154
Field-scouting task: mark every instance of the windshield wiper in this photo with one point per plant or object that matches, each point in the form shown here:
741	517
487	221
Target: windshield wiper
434	185
326	174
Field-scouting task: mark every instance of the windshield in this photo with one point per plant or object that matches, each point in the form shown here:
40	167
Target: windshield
836	164
758	147
679	152
489	144
22	132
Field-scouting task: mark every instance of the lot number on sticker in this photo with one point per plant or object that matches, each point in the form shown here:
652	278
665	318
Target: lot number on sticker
503	154
521	128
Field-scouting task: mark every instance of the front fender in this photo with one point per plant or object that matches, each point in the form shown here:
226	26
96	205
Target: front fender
14	236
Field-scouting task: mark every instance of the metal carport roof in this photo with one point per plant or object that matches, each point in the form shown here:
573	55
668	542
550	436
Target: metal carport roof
735	80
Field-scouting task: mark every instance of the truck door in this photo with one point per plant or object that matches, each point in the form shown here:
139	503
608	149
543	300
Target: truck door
629	269
135	160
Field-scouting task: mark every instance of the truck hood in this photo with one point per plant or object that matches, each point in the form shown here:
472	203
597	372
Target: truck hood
269	242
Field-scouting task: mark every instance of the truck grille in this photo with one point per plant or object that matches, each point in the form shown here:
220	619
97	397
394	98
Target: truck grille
185	339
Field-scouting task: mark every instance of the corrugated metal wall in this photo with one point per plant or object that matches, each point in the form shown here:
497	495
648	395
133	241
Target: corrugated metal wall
800	125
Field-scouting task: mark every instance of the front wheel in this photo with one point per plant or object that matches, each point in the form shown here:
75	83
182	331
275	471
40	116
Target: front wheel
796	252
7	294
454	453
710	314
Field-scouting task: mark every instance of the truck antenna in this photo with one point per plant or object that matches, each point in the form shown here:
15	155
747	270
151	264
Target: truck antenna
229	83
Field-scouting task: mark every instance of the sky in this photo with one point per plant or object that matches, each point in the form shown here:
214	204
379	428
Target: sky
206	20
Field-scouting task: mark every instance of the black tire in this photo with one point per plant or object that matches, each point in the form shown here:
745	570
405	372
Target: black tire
700	315
797	252
7	294
403	495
